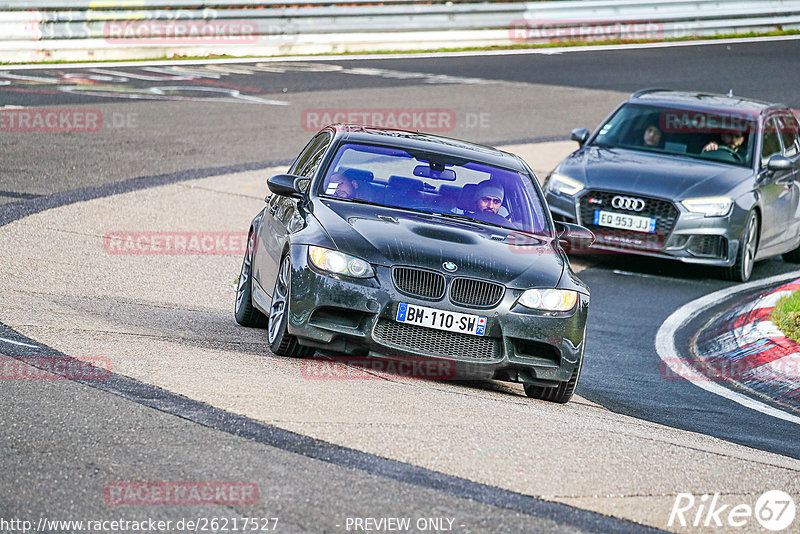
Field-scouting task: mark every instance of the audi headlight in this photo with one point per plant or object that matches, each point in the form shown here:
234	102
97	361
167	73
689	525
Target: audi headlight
337	262
709	206
557	300
564	185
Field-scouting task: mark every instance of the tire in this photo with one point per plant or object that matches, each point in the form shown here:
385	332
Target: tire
243	310
281	342
561	393
748	245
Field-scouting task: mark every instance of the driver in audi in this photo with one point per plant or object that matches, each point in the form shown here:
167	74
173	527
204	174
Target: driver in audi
731	140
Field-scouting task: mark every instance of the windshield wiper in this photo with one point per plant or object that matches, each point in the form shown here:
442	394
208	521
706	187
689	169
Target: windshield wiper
458	217
354	200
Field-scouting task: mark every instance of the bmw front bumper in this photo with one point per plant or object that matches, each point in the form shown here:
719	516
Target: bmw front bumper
356	317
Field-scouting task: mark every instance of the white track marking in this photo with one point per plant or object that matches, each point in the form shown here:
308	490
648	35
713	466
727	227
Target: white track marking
426	55
772	300
645	275
18	343
665	345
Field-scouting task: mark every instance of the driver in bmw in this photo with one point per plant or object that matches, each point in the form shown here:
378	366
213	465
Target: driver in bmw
489	196
341	186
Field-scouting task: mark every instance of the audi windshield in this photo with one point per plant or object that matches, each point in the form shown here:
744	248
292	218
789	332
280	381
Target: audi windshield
727	137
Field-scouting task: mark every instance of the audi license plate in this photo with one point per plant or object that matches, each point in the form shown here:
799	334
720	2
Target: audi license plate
624	221
441	320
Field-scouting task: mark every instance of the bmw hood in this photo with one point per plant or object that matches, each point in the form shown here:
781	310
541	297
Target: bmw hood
388	237
648	174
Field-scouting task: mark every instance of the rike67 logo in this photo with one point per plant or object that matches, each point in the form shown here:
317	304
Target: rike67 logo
774	510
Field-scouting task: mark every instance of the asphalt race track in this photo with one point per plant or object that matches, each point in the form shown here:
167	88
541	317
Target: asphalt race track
194	397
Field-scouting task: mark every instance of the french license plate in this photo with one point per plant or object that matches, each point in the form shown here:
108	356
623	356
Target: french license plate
463	323
624	221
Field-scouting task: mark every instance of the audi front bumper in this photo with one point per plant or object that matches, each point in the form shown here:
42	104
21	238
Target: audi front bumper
693	238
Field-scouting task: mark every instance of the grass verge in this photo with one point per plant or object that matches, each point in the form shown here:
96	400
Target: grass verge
786	316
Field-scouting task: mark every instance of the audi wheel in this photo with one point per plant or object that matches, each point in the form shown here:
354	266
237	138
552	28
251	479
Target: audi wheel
745	257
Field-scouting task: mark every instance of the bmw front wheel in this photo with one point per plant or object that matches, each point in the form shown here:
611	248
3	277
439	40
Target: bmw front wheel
281	342
561	393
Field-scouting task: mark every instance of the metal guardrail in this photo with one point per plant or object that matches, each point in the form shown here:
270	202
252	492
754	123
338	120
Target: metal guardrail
126	29
173	4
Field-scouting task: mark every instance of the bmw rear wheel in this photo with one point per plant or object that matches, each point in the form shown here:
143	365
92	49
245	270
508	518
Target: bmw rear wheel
745	257
244	311
281	342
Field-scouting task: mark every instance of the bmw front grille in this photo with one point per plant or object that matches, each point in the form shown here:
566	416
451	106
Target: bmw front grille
430	285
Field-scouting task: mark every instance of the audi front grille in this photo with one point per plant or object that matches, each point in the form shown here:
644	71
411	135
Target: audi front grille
664	211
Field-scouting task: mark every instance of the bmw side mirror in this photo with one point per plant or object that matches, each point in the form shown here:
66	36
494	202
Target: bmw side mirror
575	236
779	163
580	135
286	185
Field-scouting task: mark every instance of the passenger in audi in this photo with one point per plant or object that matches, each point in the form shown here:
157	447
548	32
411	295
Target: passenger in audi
652	136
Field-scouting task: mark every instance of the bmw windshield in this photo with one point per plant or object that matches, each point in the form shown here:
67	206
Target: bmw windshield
727	137
435	183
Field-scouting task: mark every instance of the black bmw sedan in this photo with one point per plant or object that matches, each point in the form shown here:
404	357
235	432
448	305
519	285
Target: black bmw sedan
699	178
401	245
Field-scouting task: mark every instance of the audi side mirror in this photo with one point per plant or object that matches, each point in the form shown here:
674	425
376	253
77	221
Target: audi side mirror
285	185
580	135
779	163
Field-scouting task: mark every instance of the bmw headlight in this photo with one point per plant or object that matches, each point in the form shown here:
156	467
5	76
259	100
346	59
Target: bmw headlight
709	206
558	183
337	262
557	300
